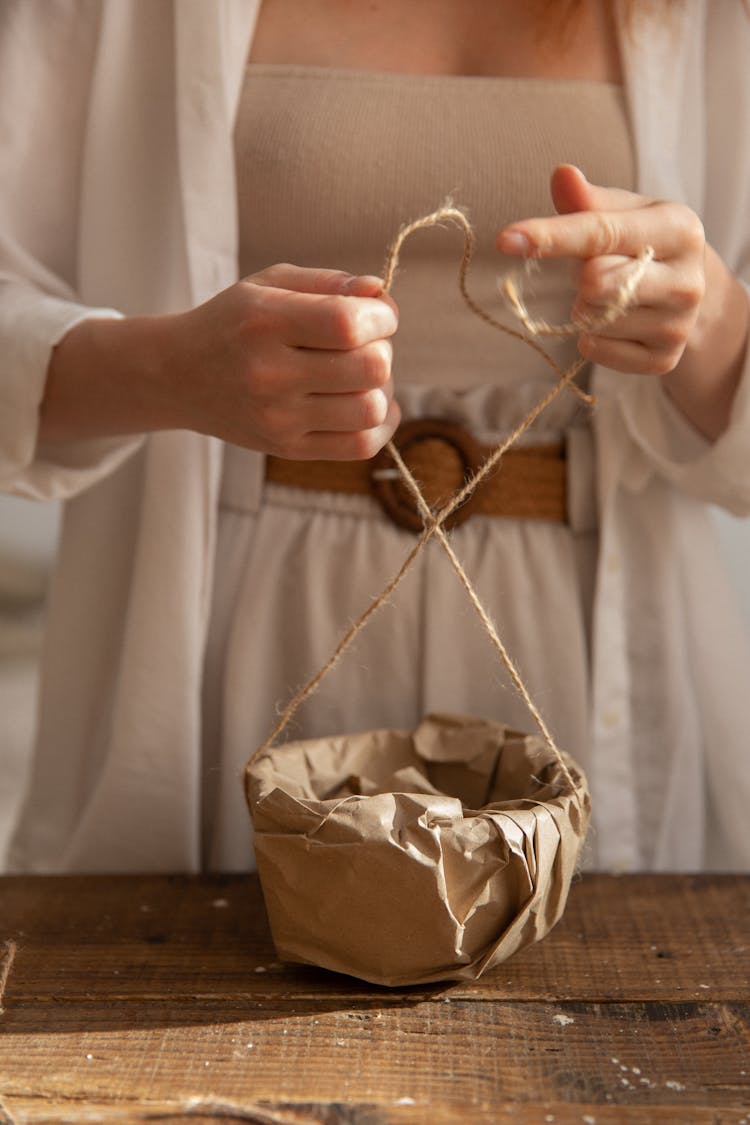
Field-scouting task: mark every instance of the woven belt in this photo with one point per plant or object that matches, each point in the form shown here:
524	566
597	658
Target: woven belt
529	483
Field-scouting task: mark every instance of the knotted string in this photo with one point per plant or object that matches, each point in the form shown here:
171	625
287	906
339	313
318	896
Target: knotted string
433	522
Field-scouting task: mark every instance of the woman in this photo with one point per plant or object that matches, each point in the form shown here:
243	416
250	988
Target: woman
183	609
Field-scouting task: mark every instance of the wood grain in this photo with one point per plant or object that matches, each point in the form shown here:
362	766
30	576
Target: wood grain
147	999
627	938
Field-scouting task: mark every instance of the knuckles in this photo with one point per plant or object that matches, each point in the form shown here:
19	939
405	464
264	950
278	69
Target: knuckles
688	292
266	310
354	322
672	336
688	226
662	361
606	236
275	276
260	317
345	322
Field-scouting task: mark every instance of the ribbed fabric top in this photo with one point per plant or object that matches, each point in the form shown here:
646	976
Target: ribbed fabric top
331	163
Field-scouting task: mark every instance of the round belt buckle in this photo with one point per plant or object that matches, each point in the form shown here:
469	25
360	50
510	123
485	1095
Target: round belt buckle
439	473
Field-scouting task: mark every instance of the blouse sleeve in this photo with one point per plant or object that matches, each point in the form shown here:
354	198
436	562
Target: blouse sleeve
717	472
47	56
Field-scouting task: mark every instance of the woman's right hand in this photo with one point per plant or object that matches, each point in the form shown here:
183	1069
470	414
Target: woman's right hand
294	362
290	361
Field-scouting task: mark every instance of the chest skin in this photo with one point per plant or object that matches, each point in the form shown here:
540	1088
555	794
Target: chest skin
471	37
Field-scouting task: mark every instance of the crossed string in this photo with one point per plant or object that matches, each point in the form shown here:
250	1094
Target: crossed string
433	522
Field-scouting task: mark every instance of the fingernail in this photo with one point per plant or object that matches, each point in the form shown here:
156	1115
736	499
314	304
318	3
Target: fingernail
575	168
374	285
363	286
513	242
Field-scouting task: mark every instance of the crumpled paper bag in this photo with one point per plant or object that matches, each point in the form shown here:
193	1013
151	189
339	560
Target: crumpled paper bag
406	857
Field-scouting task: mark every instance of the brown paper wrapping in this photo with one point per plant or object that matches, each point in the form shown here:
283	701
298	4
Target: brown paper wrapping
406	857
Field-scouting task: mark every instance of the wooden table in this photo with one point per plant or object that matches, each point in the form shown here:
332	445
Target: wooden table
160	999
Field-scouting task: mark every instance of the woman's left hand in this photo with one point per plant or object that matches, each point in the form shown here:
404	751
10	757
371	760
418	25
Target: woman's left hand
688	319
605	229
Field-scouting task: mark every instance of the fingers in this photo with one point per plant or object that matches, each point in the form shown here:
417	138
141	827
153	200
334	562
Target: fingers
362	410
337	323
650	336
358	445
605	230
301	279
671	228
322	380
571	191
594	221
321	282
330	427
349	394
289	353
673	288
315	371
632	357
641	341
324	321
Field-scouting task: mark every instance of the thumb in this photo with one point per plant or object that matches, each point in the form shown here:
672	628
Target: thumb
571	191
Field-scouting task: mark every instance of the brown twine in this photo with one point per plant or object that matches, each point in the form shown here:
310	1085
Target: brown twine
10	955
433	522
511	290
452	214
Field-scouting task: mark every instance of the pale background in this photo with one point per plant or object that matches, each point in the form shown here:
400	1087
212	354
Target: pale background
28	533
